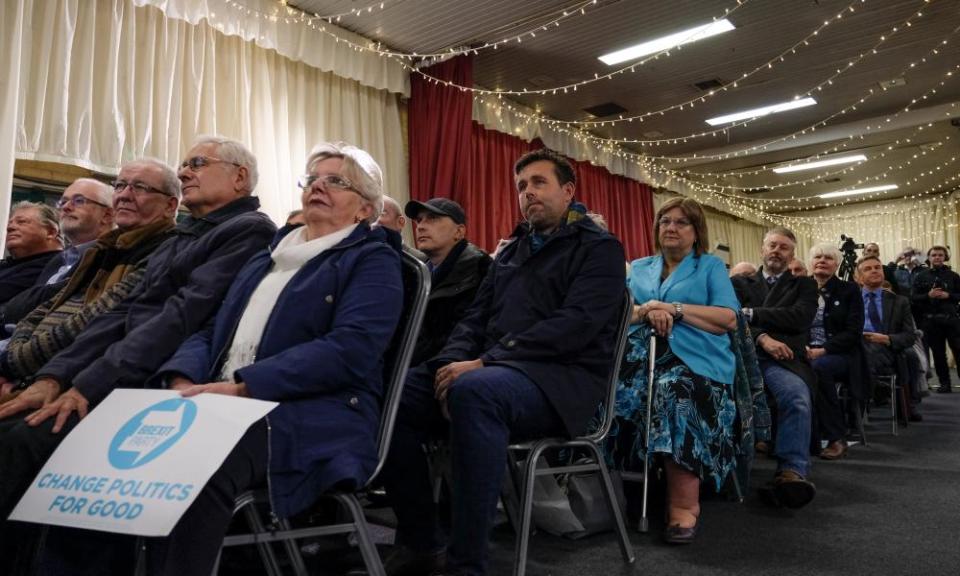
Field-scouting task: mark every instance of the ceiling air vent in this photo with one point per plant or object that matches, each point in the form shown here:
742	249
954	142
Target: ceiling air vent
604	110
830	180
708	85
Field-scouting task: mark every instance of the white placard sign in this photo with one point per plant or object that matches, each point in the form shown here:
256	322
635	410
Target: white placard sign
136	463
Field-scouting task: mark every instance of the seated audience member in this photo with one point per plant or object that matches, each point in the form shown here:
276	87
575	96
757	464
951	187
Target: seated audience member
834	348
86	213
184	284
457	268
33	239
146	210
889	332
393	215
684	296
743	269
797	267
304	324
530	359
936	293
295	218
780	308
889	270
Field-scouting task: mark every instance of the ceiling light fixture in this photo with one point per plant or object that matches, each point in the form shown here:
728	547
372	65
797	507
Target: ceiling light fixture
859	191
832	161
762	111
668	42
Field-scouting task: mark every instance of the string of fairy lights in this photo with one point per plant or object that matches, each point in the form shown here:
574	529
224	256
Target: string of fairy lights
711	192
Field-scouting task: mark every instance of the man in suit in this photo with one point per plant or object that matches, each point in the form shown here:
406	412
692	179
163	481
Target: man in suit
889	332
780	308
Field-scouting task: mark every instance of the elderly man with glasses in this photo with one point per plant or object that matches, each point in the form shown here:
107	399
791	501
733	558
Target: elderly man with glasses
184	283
86	213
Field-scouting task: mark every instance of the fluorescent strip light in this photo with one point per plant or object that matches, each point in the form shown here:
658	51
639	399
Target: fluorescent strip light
832	161
859	191
668	42
763	111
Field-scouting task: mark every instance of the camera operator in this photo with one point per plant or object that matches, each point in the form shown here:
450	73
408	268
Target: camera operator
936	292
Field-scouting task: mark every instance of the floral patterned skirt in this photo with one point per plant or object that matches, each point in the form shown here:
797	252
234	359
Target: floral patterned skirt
692	416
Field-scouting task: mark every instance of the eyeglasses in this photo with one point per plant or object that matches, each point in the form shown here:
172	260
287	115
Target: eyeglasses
198	162
77	201
666	222
139	188
327	182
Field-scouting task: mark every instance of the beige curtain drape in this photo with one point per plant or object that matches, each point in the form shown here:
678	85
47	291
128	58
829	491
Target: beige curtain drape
11	36
893	225
106	81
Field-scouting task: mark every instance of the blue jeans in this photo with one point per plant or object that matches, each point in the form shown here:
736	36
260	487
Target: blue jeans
793	416
488	408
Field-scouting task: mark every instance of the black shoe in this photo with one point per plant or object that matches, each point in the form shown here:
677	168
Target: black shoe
403	561
944	389
915	417
793	490
678	535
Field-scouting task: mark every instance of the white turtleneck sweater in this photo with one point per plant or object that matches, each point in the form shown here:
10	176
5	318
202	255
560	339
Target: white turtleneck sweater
288	257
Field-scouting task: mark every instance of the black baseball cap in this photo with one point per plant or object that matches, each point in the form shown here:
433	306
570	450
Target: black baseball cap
439	206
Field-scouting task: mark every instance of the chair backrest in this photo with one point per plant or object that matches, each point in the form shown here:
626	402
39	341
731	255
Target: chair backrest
608	410
396	360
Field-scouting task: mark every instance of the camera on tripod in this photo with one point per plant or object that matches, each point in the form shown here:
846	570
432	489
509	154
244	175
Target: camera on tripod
849	247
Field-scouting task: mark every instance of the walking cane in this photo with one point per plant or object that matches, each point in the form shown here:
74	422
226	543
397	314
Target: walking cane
651	358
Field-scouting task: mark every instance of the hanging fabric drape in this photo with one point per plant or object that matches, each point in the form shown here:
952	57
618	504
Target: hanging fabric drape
439	131
105	81
454	157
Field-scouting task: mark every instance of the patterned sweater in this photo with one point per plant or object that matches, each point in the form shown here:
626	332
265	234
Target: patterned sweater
107	274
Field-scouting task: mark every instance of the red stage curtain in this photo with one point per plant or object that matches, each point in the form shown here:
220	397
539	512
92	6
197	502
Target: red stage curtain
439	121
490	198
453	157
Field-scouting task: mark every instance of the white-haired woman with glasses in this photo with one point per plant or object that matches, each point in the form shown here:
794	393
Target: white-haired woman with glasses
834	350
305	324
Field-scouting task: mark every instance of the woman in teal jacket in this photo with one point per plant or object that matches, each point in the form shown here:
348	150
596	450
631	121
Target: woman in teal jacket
685	297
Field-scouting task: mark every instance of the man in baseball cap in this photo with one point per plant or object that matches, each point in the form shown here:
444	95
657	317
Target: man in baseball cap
457	267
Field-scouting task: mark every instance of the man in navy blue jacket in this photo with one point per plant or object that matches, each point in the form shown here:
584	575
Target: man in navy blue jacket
184	284
529	359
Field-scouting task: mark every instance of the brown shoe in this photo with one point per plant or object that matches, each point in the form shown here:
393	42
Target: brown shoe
793	490
834	450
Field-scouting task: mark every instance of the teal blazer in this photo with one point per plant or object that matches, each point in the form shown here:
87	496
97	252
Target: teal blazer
697	280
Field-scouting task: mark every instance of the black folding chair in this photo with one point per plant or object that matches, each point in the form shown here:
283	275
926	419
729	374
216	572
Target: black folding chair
416	281
529	452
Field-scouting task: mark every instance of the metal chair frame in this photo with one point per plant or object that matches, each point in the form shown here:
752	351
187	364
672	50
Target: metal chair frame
262	534
531	451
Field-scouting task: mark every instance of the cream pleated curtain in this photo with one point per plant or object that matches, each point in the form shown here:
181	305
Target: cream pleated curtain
893	225
102	82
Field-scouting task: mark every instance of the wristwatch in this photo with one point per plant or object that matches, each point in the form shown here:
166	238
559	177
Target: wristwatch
678	311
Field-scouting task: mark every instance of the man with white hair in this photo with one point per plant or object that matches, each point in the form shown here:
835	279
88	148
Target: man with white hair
184	283
797	267
86	213
392	216
780	308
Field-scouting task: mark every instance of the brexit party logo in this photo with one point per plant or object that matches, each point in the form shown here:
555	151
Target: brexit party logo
151	432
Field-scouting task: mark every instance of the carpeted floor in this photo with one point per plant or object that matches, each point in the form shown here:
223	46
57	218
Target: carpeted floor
890	508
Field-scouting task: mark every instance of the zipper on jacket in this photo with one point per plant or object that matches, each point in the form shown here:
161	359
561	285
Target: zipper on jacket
274	520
